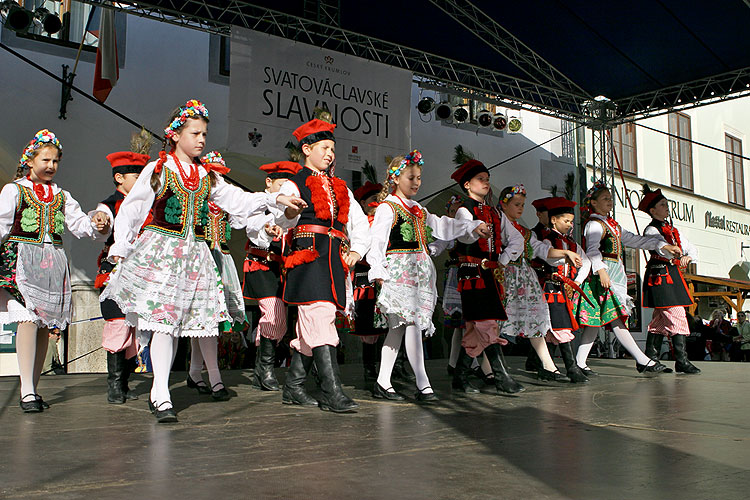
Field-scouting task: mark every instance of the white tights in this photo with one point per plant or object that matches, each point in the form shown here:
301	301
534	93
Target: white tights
31	350
162	351
622	334
414	351
540	346
205	349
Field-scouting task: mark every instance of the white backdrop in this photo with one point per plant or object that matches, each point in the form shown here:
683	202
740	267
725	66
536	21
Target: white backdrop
275	84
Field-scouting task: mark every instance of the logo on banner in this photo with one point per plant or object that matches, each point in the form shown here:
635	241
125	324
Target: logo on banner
255	137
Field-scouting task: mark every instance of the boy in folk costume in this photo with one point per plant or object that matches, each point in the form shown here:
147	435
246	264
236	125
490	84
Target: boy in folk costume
118	339
328	237
664	288
263	278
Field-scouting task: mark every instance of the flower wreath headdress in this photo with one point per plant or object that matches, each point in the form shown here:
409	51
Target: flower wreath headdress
413	158
213	161
599	184
192	109
42	138
517	189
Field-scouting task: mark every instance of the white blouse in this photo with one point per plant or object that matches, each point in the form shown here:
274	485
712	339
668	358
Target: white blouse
443	228
687	248
512	239
594	232
136	205
78	223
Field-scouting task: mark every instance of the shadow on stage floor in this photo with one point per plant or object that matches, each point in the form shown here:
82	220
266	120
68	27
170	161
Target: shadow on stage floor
621	436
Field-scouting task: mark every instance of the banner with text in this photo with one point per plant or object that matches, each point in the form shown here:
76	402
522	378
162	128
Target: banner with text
275	84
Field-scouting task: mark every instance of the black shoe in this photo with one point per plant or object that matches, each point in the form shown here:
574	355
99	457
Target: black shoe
220	394
44	404
682	364
34	406
588	372
294	386
115	367
162	416
575	374
487	379
263	376
650	369
425	397
379	393
460	374
451	370
653	348
503	381
333	397
549	376
131	396
200	386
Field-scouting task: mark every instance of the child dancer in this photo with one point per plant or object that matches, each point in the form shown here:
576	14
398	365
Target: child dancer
166	279
321	254
205	349
607	286
664	288
34	279
528	314
118	339
480	267
400	262
263	282
559	280
365	291
452	313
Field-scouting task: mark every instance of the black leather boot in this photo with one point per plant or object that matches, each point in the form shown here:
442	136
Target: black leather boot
653	348
294	386
369	355
461	374
263	376
533	363
575	374
503	381
115	367
682	364
129	367
333	398
400	371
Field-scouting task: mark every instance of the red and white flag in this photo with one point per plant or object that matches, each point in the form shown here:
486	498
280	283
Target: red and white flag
107	70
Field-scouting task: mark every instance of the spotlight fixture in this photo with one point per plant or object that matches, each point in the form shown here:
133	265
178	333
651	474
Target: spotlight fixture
515	125
443	111
484	118
16	17
425	105
460	114
499	122
49	20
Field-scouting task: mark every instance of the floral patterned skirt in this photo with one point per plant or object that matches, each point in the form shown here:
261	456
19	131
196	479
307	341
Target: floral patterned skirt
409	295
527	310
169	285
452	299
611	303
232	288
36	284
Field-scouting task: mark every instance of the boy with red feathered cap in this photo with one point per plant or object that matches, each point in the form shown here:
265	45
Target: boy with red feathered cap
664	288
118	339
328	237
263	277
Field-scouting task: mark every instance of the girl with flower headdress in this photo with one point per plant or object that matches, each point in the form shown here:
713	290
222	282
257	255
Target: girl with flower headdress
528	314
165	279
34	278
607	288
399	260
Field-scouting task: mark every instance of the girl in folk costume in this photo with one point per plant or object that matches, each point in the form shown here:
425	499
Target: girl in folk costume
607	286
218	231
400	262
263	277
561	281
34	278
365	292
528	314
664	288
480	264
118	338
165	280
328	237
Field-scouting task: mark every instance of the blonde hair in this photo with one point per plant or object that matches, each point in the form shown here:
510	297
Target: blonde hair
21	170
388	184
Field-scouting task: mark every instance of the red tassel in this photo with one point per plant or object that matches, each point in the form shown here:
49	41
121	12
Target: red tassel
300	257
669	280
479	285
370	292
550	298
561	299
246	266
467	285
460	286
658	281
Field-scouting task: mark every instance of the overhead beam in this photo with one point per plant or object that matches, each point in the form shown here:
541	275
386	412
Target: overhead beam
508	45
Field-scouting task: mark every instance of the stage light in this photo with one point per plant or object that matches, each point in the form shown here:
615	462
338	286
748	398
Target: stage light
515	125
16	17
484	118
443	111
499	122
50	21
425	105
460	114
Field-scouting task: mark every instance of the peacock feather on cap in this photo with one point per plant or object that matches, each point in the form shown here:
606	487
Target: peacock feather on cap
462	155
141	142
